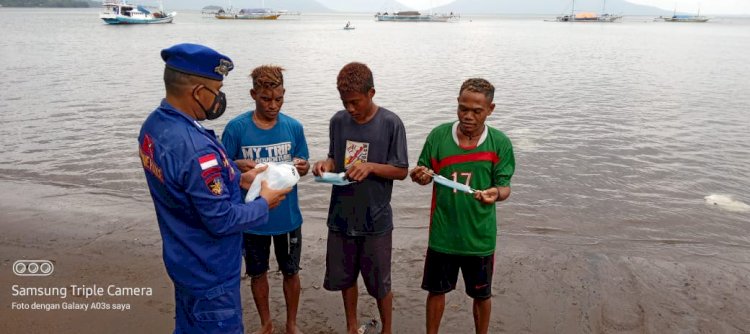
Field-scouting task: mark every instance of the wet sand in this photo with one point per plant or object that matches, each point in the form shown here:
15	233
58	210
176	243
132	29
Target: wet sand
544	282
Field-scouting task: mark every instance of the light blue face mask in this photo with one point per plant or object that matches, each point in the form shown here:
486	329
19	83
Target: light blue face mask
336	179
439	179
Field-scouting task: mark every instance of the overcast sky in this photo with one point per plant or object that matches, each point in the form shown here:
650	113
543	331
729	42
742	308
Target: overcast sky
424	4
706	6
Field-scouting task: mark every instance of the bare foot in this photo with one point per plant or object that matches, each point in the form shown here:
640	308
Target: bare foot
293	329
267	329
371	327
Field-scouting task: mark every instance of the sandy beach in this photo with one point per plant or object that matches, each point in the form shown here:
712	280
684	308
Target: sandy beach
542	284
630	209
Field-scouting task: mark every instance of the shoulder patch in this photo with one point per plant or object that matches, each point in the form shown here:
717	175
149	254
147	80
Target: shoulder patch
227	165
214	184
146	151
207	161
211	173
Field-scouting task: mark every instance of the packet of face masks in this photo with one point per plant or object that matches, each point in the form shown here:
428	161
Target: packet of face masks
278	176
336	179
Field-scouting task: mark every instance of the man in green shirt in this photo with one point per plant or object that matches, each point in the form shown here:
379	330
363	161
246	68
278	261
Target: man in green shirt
463	227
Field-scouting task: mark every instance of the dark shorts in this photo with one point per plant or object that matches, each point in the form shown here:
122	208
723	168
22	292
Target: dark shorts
287	247
347	256
441	273
218	310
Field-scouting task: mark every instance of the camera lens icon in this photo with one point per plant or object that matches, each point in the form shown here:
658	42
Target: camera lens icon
33	268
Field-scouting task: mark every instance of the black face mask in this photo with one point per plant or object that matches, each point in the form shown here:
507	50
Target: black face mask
217	108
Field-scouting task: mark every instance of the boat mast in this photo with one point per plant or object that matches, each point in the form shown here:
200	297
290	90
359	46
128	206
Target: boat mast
604	6
572	9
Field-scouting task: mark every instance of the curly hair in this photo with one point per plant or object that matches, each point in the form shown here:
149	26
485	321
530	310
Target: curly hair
355	77
267	76
479	85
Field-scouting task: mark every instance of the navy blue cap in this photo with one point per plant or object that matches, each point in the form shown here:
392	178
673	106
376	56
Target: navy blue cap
197	60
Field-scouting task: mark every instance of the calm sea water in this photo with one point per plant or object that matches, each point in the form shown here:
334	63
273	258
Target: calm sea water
620	130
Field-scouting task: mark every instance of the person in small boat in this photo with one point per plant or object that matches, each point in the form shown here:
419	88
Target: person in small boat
367	142
473	153
347	24
266	135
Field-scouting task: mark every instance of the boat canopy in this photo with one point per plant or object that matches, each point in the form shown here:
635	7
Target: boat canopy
683	16
255	10
408	13
143	10
585	15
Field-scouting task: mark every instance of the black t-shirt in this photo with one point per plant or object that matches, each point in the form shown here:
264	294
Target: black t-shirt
364	208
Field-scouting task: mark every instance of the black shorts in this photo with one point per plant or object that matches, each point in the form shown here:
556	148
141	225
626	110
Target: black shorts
347	256
287	247
441	273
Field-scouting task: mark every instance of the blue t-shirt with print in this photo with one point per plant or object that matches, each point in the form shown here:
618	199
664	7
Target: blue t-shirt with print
282	143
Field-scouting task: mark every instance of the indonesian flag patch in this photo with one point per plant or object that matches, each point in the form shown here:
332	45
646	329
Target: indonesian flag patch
211	173
207	161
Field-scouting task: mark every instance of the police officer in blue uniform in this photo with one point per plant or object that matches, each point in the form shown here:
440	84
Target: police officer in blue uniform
196	192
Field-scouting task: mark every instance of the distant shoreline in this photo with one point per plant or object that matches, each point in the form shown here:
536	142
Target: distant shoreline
11	6
4	6
50	4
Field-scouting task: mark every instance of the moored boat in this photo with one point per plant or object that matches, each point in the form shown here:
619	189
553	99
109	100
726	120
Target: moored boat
413	16
249	14
120	12
588	16
211	10
686	18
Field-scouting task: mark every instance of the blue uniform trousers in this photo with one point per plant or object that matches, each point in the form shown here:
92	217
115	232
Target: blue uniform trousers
215	310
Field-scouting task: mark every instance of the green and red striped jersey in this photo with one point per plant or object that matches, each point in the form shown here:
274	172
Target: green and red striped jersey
459	224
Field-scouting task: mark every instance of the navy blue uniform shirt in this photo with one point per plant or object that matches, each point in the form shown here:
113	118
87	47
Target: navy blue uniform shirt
197	198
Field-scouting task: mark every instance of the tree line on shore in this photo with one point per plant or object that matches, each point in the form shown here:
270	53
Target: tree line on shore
50	3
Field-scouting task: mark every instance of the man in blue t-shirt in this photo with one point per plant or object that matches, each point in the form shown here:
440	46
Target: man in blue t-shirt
266	135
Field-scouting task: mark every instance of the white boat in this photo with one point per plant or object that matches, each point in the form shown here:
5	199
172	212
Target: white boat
248	14
413	16
686	18
120	12
588	16
285	12
349	26
211	10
